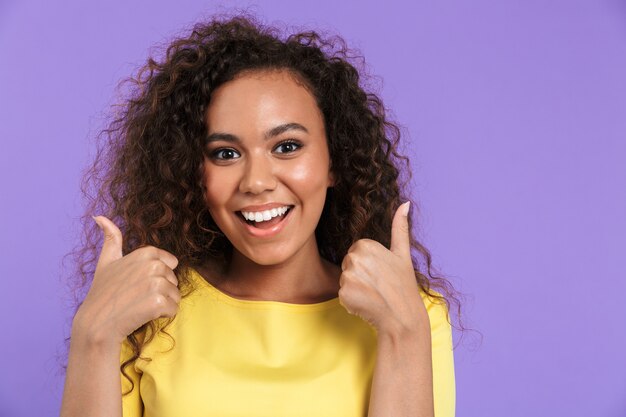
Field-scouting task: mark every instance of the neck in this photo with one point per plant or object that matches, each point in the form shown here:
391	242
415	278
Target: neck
303	278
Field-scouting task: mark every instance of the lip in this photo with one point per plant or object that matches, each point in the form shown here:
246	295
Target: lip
266	233
264	207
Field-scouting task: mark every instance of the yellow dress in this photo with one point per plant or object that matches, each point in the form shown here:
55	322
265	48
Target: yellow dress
243	358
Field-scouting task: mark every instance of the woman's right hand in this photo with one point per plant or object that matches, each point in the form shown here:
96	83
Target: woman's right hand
127	291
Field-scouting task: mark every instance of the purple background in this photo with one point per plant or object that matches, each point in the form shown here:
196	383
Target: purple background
517	116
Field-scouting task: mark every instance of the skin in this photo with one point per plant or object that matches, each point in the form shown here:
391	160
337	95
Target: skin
126	292
286	267
374	283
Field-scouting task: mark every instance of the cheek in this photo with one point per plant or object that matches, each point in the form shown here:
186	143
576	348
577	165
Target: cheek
310	173
215	188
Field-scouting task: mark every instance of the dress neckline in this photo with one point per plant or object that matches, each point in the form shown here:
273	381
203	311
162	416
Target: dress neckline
261	304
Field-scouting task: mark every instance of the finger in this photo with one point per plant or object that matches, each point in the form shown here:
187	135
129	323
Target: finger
172	307
173	293
152	252
341	299
400	239
345	262
168	307
112	245
171	277
169	259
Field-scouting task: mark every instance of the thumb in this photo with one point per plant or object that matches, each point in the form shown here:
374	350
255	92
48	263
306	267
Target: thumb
112	246
400	240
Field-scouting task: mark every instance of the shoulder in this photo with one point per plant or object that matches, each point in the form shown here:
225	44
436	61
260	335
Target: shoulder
444	386
438	314
435	305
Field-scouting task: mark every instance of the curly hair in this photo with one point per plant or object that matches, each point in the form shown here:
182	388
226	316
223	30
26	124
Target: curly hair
146	176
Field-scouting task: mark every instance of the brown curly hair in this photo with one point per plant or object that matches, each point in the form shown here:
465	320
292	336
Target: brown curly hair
147	172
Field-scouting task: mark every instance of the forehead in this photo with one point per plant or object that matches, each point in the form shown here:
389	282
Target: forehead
261	99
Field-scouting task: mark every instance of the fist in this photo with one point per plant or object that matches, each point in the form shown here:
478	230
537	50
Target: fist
127	291
378	284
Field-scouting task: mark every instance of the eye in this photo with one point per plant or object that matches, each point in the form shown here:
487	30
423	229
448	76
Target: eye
289	146
224	154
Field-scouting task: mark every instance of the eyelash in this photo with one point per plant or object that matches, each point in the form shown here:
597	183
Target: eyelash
285	142
290	142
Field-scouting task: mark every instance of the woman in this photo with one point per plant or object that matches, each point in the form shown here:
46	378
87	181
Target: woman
265	265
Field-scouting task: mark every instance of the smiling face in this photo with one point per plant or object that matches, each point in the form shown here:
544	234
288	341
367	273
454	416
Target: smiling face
267	148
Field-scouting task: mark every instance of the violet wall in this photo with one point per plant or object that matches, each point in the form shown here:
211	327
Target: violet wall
515	117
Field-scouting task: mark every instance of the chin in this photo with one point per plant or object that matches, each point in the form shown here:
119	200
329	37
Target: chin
267	259
272	252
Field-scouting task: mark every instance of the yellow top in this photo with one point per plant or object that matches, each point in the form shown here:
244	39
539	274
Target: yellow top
236	358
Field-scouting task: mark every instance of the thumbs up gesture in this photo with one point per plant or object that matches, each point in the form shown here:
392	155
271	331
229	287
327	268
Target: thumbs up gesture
127	291
378	285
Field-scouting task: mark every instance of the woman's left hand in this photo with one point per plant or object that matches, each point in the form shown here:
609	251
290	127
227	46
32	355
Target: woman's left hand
378	285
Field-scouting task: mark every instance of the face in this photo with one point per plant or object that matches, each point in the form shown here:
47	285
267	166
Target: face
266	154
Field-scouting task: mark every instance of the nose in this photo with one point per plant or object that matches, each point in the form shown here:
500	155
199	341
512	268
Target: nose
258	175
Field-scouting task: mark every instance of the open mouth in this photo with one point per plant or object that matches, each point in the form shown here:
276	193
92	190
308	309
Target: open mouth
266	223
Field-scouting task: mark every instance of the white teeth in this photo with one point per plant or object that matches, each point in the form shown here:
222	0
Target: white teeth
260	216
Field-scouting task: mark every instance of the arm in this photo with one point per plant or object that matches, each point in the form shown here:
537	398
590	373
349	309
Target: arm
126	292
402	385
92	383
414	369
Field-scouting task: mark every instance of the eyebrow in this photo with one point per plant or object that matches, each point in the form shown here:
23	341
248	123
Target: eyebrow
275	131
